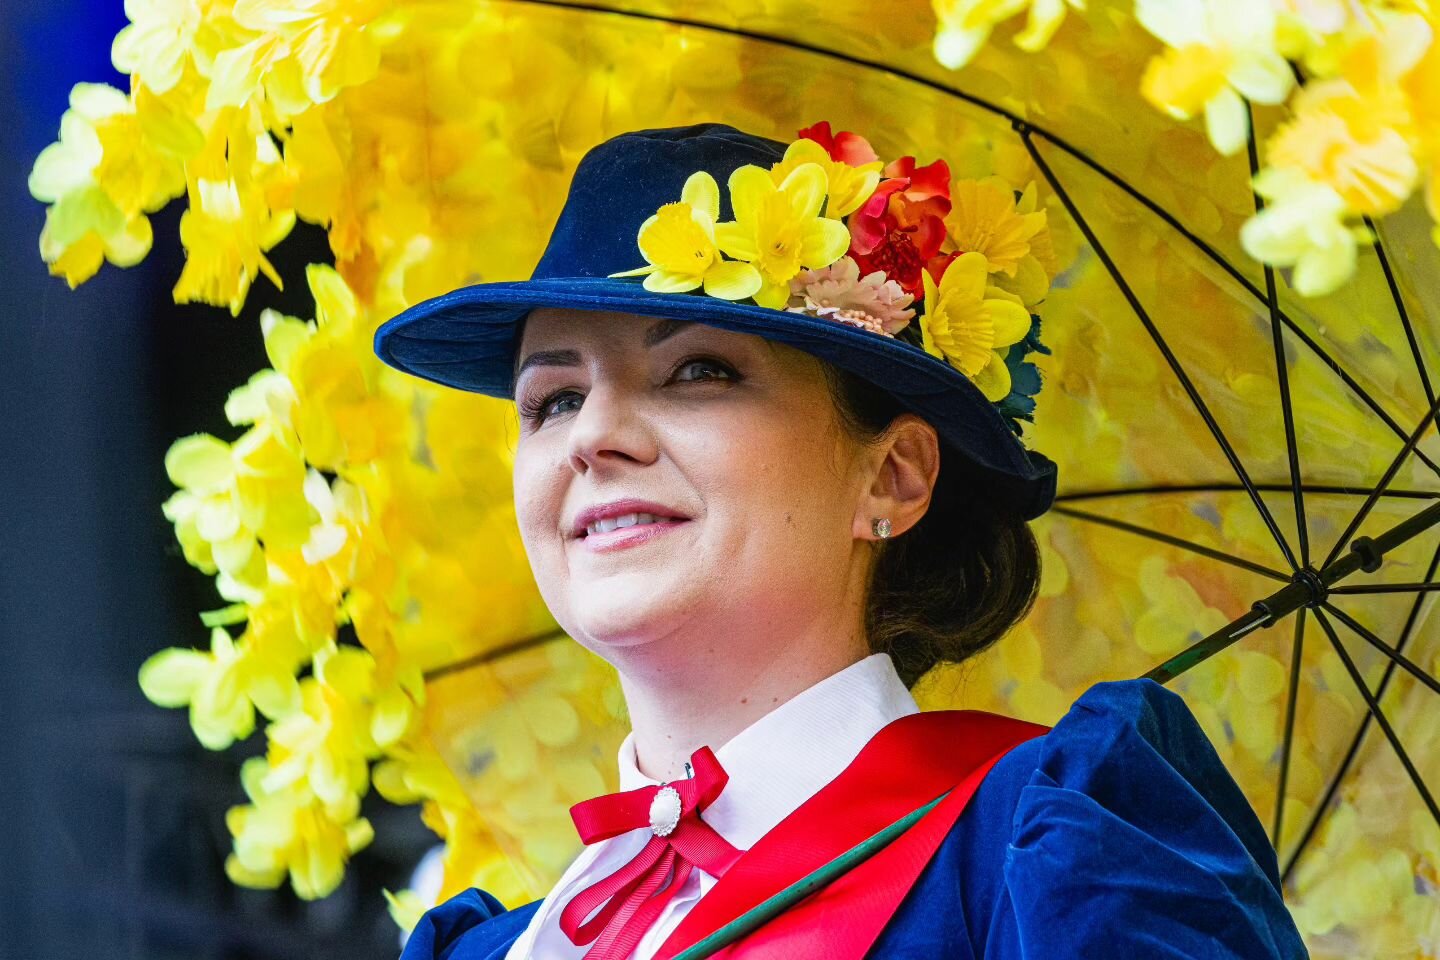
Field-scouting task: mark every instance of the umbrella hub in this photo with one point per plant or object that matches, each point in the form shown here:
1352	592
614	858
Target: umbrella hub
1308	587
1309	578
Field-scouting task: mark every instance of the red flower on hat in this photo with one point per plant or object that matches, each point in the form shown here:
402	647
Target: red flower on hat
845	147
899	230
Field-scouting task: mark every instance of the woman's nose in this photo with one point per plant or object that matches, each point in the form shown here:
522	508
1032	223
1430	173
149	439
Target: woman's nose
610	428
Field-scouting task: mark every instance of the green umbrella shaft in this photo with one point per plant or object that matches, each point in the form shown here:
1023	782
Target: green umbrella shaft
806	885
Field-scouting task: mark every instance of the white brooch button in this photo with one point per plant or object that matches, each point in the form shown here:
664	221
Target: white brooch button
665	811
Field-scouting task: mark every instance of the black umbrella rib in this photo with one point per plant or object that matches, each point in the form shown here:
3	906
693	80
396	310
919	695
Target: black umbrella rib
1428	586
1379	716
489	656
1394	655
1174	541
1282	370
1140	312
1019	123
1296	650
1374	496
1309	488
1318	813
1401	310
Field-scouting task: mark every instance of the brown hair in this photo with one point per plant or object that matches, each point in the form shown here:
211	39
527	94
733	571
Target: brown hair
956	581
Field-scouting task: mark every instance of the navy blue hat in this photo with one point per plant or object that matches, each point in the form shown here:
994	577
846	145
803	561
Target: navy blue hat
467	338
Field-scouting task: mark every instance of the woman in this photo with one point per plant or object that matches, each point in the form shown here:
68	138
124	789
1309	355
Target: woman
772	523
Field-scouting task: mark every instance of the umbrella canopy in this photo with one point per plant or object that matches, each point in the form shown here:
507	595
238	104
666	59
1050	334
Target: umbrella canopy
1217	433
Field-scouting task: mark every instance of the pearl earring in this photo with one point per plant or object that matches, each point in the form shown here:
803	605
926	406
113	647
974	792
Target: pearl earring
880	526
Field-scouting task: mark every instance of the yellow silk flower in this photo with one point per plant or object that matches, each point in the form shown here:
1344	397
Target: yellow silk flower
165	36
1355	132
1219	51
226	231
848	187
1302	227
302	52
985	218
967	322
965	25
222	687
208	513
289	830
327	742
99	200
778	228
678	241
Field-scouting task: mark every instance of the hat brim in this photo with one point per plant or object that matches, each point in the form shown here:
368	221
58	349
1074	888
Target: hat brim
467	339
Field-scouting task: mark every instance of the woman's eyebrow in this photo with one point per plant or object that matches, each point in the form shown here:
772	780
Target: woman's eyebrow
667	327
547	358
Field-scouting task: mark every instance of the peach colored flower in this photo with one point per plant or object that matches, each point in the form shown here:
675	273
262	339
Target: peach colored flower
840	293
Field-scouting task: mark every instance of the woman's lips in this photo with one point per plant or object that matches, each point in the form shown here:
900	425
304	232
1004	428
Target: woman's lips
632	536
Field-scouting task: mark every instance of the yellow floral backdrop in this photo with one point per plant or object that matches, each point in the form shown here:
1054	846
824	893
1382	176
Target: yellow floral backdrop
376	614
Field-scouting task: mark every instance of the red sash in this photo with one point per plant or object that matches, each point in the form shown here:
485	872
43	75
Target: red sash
908	763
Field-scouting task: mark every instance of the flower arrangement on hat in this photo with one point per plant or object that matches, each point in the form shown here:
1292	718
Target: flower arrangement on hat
898	249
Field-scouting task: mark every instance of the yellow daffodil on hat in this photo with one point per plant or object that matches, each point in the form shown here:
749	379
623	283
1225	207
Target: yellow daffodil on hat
851	177
779	229
678	243
968	323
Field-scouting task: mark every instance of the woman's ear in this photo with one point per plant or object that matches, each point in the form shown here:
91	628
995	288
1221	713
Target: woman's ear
906	463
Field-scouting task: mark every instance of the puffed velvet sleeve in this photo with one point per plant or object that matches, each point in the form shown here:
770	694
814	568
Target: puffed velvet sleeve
1131	839
472	925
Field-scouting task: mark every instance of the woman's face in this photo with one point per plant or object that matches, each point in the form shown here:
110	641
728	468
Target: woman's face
729	441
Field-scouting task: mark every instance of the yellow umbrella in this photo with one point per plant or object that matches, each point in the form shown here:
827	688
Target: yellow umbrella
1198	472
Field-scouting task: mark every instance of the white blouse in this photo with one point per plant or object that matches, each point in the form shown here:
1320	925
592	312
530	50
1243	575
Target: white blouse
774	765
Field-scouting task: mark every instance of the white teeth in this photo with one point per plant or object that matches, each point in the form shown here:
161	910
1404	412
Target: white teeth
627	520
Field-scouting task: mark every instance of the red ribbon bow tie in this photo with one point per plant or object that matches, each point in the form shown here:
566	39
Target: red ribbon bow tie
679	839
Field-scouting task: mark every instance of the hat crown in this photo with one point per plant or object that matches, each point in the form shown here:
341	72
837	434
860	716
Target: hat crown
620	183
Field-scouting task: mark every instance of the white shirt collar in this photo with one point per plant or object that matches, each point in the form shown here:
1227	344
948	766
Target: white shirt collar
787	755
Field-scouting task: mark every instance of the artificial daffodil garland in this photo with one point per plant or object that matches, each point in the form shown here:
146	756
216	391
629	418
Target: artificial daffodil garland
832	231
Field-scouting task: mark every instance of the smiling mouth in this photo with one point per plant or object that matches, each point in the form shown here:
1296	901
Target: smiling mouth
626	521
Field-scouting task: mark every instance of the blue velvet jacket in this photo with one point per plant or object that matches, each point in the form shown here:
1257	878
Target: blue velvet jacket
1117	834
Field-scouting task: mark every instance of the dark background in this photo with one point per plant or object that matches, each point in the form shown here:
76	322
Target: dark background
112	833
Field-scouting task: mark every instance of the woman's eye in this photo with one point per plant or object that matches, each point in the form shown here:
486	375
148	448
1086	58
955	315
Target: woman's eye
560	398
703	364
539	410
